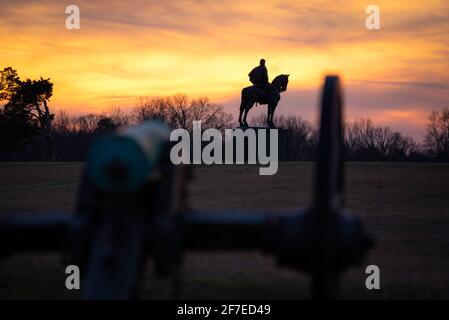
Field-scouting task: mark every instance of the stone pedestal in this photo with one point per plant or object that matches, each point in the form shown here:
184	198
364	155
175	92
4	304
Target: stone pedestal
283	143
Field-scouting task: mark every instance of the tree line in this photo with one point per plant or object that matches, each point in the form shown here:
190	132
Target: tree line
29	131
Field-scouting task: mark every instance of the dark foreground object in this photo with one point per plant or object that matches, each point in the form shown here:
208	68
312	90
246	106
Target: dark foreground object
122	218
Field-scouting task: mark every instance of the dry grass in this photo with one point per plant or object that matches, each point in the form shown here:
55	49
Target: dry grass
404	206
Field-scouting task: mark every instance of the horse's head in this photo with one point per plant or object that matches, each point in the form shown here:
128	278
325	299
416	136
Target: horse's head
280	82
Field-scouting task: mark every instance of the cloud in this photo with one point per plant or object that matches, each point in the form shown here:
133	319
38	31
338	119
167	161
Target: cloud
133	48
433	85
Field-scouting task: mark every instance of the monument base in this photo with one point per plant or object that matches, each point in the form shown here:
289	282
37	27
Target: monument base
283	143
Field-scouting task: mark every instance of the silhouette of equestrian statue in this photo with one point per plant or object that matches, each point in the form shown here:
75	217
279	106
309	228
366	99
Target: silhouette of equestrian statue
262	92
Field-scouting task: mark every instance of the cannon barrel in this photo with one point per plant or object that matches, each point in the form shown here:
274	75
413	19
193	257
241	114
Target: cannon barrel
287	236
228	230
35	233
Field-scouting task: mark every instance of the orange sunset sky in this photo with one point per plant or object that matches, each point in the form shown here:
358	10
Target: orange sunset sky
126	49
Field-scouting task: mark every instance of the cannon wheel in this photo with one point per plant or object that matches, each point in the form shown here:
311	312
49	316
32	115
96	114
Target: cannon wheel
328	197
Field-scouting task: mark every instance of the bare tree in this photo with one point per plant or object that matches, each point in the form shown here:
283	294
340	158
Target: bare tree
211	115
150	108
87	123
62	123
116	117
302	136
365	141
179	111
436	142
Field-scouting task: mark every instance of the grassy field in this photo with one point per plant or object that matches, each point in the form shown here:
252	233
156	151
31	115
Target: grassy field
405	207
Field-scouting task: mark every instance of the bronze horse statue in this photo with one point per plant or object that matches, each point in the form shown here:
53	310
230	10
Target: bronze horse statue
270	95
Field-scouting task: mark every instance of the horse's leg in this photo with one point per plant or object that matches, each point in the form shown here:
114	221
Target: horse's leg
268	115
249	97
244	117
271	108
242	105
248	107
240	116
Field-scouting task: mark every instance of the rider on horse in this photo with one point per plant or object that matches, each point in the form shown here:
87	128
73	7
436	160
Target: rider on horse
259	78
259	75
262	92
